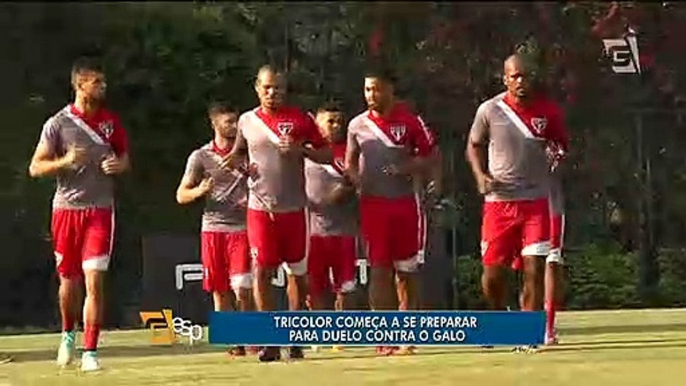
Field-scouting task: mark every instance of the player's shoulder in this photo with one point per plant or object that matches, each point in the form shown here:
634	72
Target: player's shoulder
358	119
58	116
486	107
201	151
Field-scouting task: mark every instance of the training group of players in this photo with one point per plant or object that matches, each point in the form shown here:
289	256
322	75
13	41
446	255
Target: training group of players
283	187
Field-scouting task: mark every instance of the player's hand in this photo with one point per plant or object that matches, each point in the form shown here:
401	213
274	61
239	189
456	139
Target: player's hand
75	157
112	165
205	186
337	194
287	145
485	183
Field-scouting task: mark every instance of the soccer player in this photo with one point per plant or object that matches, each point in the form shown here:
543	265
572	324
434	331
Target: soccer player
387	146
516	126
277	138
333	218
224	252
84	146
554	274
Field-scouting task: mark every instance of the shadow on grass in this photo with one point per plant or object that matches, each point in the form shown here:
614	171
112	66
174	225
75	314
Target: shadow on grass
139	351
627	329
121	351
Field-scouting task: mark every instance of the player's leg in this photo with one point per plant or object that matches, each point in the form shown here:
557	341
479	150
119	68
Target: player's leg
239	272
500	238
318	259
216	278
375	223
344	256
67	234
536	241
97	251
292	238
554	277
263	251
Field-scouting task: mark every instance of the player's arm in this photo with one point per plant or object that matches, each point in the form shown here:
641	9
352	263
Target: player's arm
436	173
118	162
192	185
239	151
352	161
314	144
45	161
558	139
476	151
423	148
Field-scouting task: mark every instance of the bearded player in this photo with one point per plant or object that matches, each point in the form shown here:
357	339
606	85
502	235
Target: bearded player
277	138
333	214
84	147
387	146
516	127
224	240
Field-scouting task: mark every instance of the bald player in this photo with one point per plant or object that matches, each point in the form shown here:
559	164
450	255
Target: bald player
516	127
224	241
277	138
84	146
387	146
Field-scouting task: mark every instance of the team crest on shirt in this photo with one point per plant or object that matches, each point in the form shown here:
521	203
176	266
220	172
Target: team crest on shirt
106	128
284	128
539	124
398	131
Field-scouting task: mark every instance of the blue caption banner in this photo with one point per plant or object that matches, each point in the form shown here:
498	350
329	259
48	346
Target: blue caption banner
368	328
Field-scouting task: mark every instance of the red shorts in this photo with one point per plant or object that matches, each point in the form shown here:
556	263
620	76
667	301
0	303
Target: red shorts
82	239
514	228
390	227
557	223
282	240
331	254
226	261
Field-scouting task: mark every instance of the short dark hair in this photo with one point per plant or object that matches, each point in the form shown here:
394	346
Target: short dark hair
86	64
220	107
382	73
330	106
269	68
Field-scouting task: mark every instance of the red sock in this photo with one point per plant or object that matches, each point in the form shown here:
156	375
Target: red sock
67	323
550	316
91	334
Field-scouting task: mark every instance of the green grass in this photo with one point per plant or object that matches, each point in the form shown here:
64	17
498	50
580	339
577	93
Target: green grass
646	347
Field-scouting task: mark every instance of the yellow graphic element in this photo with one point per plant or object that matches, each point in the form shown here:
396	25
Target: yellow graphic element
161	324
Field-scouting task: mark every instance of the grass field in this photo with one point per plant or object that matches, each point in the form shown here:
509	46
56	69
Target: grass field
607	348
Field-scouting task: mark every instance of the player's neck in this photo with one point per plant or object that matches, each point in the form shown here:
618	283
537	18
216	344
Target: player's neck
85	106
222	143
270	110
520	101
384	112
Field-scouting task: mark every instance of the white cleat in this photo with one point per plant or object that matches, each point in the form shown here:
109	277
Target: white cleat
90	362
67	350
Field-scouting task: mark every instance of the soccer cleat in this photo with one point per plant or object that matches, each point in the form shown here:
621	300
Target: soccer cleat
269	354
530	349
386	350
315	348
5	358
551	339
67	350
238	351
89	361
295	352
253	350
406	350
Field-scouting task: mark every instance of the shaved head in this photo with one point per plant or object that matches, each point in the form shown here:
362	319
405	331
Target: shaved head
518	74
270	87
